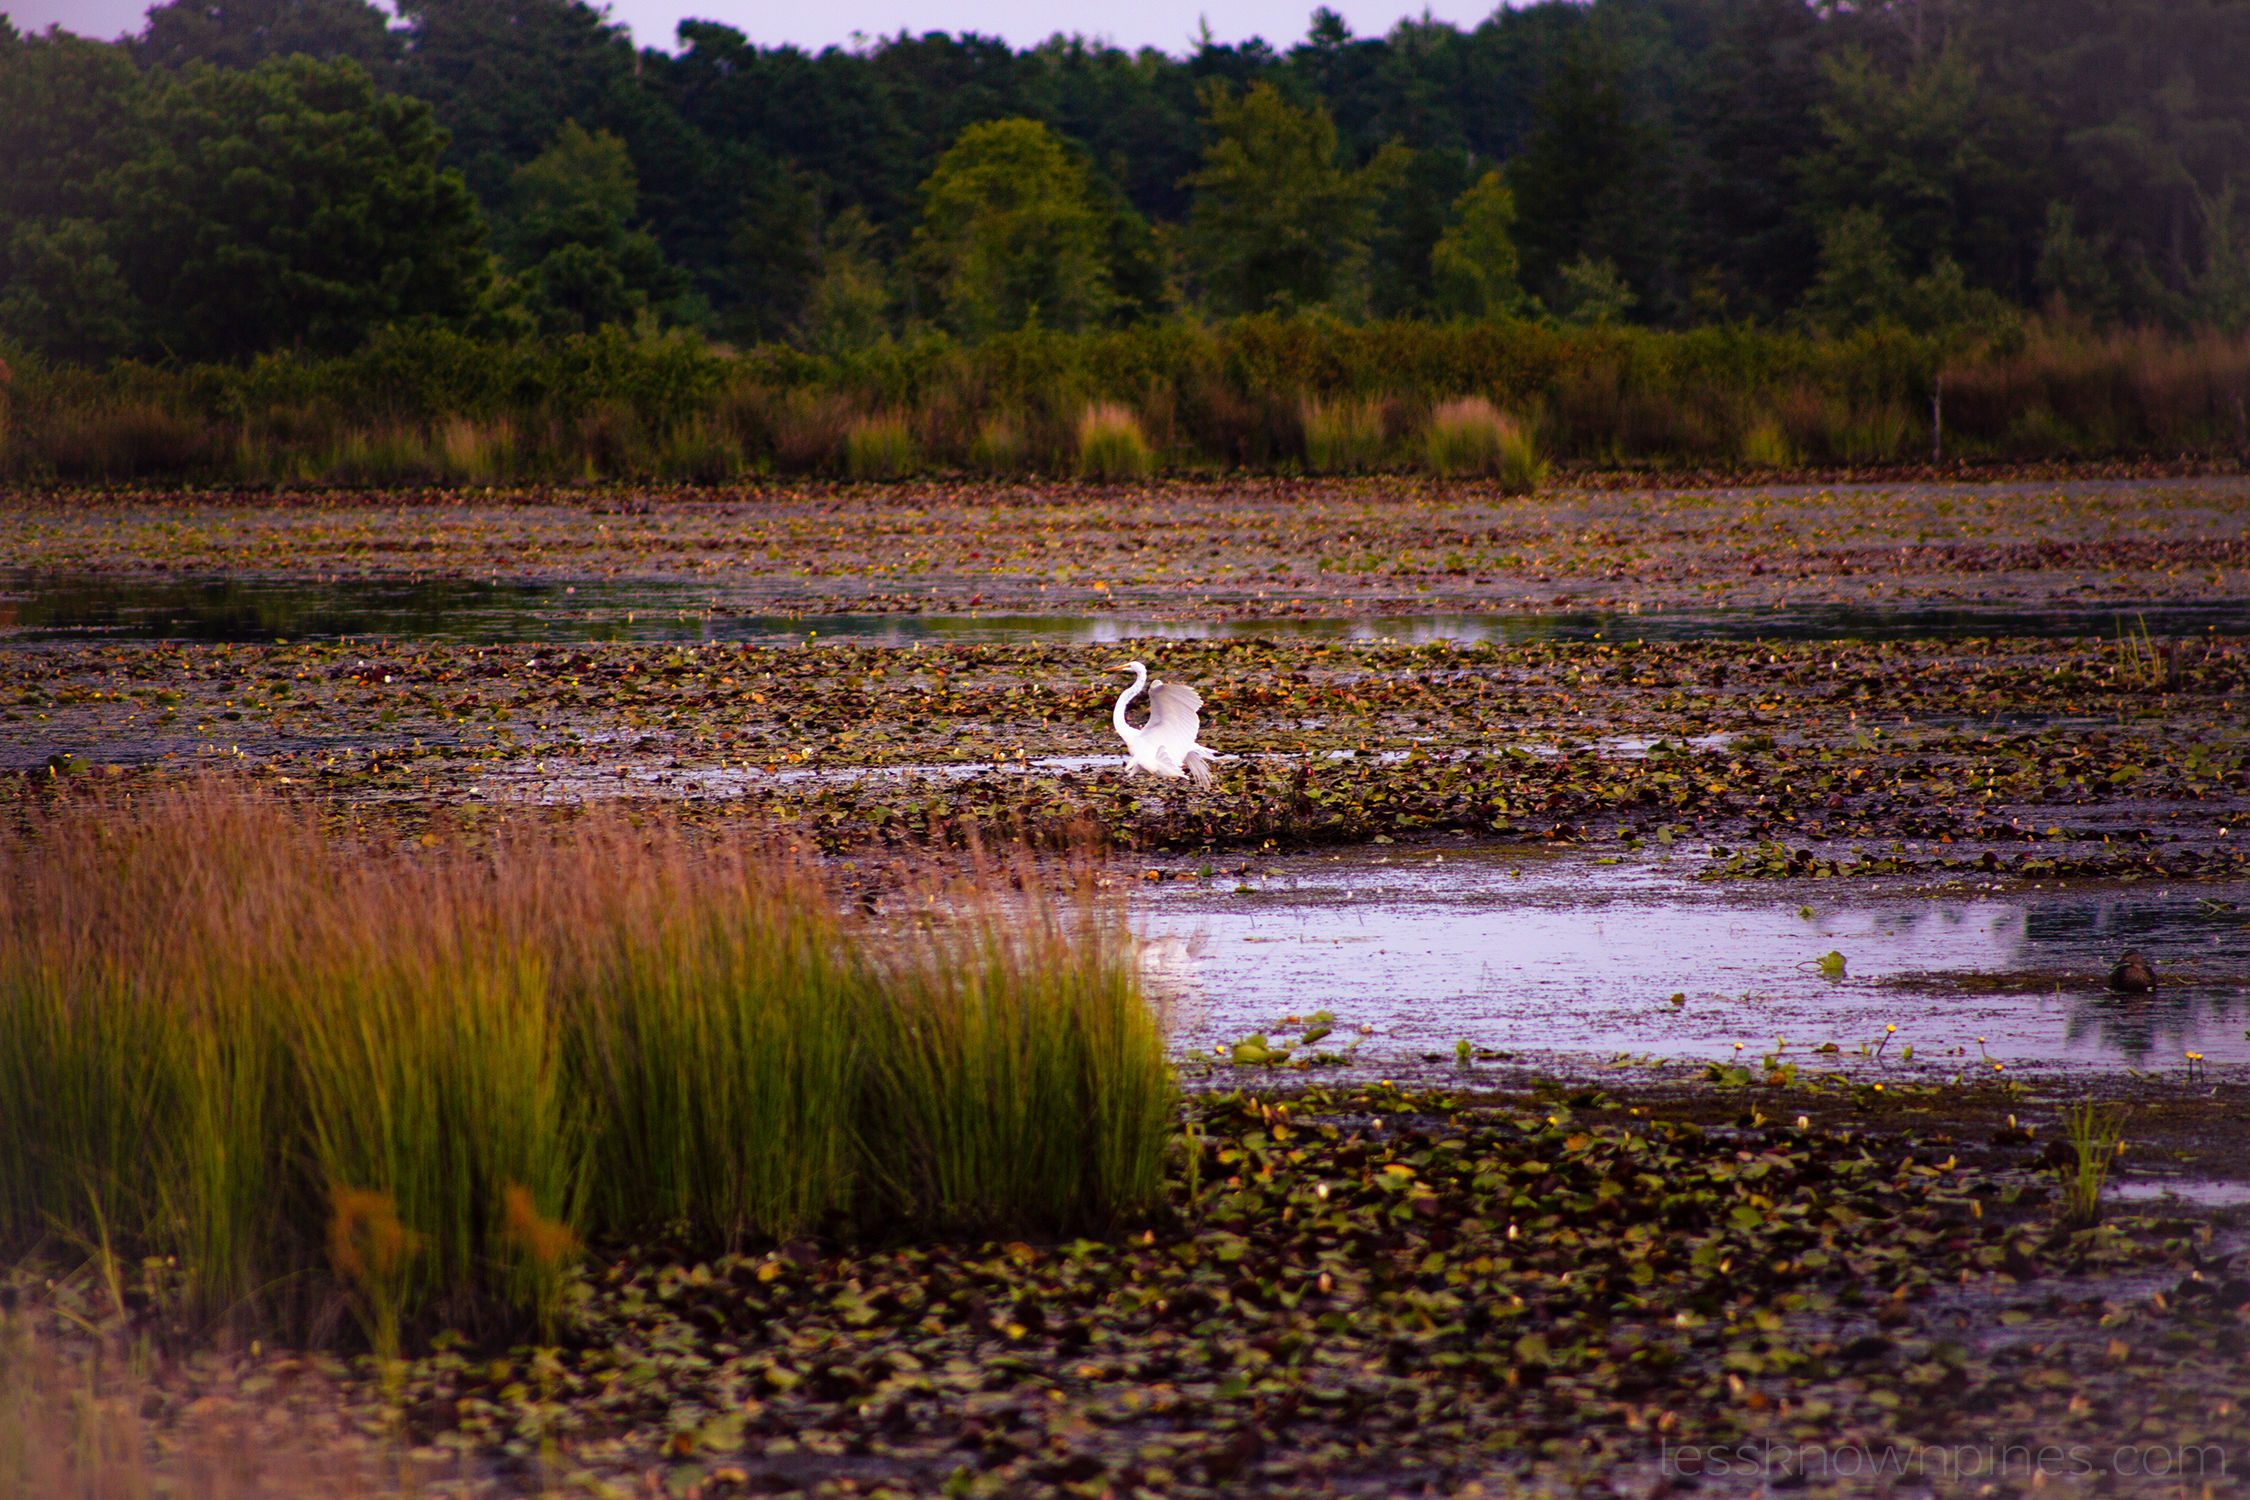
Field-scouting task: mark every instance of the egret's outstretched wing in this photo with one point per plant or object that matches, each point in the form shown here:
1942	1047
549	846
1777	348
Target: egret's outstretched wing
1172	720
1197	764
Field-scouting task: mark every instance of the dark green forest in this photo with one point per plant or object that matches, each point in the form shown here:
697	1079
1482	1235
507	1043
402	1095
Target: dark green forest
247	176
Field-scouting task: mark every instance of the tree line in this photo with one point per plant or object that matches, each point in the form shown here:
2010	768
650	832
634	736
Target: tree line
257	175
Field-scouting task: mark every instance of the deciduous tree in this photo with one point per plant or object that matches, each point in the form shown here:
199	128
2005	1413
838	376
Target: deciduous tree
1010	236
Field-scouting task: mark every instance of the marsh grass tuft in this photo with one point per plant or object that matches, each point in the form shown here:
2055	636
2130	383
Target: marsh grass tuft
476	452
700	450
1343	437
1000	446
545	1249
2095	1133
1015	1070
1766	446
331	1079
1111	444
1473	437
373	1253
2141	663
881	447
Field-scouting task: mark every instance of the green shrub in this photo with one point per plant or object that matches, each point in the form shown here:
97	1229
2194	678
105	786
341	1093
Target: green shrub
1473	437
1111	444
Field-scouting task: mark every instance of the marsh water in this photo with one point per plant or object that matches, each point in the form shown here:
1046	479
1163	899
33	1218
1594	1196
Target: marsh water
1533	955
38	607
1526	954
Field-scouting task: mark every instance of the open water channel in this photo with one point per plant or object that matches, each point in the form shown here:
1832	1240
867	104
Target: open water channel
1532	954
44	607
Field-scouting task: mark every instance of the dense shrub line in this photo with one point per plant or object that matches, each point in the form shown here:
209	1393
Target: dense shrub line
1262	392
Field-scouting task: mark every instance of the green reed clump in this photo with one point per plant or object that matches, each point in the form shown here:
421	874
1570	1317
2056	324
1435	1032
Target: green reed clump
700	450
1111	444
1766	446
477	452
881	447
330	1080
1016	1070
714	1012
1343	436
2095	1134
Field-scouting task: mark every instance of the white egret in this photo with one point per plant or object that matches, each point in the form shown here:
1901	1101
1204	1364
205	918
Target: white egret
1165	745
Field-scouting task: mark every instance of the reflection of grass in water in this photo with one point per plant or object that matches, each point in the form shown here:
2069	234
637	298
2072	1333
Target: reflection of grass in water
1944	982
238	610
212	1023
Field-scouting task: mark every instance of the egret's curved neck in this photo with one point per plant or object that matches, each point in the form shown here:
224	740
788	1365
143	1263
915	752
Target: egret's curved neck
1117	714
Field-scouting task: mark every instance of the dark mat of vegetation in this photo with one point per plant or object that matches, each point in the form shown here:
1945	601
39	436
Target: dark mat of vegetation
1245	548
1970	760
1369	1292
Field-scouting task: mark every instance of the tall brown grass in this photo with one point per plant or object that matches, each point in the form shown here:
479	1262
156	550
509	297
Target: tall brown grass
220	1030
2071	390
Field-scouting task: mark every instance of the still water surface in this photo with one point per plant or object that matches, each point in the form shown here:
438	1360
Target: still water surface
1563	957
38	607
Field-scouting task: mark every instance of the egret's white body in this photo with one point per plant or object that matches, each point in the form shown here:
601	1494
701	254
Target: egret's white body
1165	745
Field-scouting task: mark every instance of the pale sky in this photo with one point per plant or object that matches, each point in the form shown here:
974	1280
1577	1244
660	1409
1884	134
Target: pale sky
1165	24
